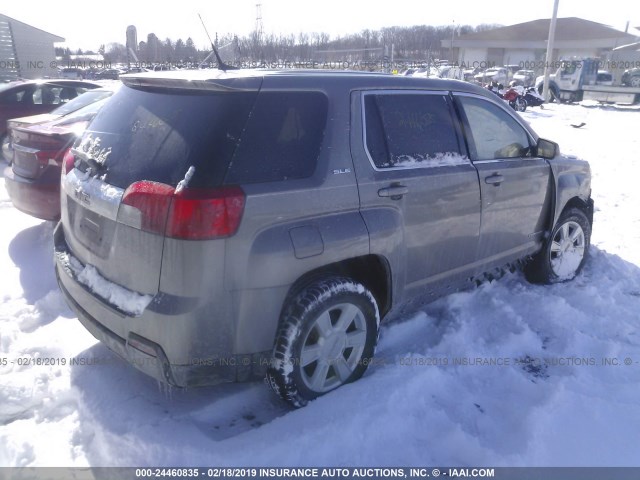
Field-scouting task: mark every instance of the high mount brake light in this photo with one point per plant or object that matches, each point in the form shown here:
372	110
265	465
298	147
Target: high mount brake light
192	214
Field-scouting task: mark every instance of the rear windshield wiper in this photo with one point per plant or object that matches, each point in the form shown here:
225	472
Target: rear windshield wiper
92	155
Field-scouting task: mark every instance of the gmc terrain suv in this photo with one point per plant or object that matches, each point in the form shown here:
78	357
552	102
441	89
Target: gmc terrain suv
220	226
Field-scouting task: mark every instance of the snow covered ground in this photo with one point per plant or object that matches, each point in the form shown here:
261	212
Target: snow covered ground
540	375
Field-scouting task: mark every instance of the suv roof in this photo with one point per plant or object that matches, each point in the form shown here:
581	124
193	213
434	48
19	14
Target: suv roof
251	79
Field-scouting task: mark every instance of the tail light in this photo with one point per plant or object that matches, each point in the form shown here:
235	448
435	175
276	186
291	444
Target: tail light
45	156
68	162
192	214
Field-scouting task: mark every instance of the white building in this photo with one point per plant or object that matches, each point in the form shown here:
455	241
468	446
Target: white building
26	51
525	44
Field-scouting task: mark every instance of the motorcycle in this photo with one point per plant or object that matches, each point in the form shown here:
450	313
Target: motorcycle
513	96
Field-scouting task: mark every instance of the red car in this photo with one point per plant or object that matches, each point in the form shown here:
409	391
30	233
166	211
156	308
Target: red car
33	178
31	97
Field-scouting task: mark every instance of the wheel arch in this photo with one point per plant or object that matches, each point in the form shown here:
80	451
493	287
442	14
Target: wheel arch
585	205
581	204
372	271
572	185
552	86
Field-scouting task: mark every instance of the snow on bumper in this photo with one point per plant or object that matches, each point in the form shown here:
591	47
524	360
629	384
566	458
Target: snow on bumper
114	328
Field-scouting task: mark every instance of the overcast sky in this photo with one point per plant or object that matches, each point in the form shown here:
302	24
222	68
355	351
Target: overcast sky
88	24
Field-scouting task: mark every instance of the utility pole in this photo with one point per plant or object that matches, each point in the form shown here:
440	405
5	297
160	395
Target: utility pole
552	36
453	32
259	26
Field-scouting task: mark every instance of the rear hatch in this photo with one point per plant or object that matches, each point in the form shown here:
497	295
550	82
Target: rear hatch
150	165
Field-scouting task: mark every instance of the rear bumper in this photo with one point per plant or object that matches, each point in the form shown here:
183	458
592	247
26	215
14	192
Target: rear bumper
146	355
39	198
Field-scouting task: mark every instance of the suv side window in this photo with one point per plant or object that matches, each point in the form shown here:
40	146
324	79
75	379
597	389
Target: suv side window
494	133
282	138
407	129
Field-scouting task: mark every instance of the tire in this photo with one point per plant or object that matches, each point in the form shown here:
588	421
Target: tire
635	81
521	104
4	149
554	95
565	252
326	338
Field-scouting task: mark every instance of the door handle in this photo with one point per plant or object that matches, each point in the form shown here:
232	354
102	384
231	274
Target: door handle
394	192
495	179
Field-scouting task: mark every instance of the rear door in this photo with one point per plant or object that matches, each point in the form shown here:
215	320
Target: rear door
419	193
515	187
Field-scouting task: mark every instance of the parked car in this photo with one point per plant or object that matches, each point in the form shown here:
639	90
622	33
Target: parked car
430	72
469	74
223	226
526	78
63	109
108	74
136	70
511	69
33	178
74	73
32	97
631	78
497	75
451	71
604	77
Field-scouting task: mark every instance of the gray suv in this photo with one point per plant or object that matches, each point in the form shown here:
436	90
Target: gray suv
226	226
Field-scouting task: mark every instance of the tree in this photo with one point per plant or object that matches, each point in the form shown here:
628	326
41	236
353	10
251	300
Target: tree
168	50
142	50
190	49
418	43
180	51
116	53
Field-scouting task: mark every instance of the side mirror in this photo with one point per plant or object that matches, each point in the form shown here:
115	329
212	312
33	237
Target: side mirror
547	149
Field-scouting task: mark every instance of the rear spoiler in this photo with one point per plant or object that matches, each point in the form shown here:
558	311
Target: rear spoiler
221	83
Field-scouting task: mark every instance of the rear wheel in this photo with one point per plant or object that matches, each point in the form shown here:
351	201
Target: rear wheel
635	81
565	251
6	152
326	338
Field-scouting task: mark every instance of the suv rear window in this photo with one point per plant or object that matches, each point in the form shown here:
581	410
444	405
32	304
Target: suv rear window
282	139
159	135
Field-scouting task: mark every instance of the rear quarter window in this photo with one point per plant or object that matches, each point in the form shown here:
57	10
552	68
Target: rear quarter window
282	139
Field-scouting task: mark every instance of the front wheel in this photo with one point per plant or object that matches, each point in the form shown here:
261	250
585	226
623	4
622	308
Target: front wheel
326	338
565	252
554	94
